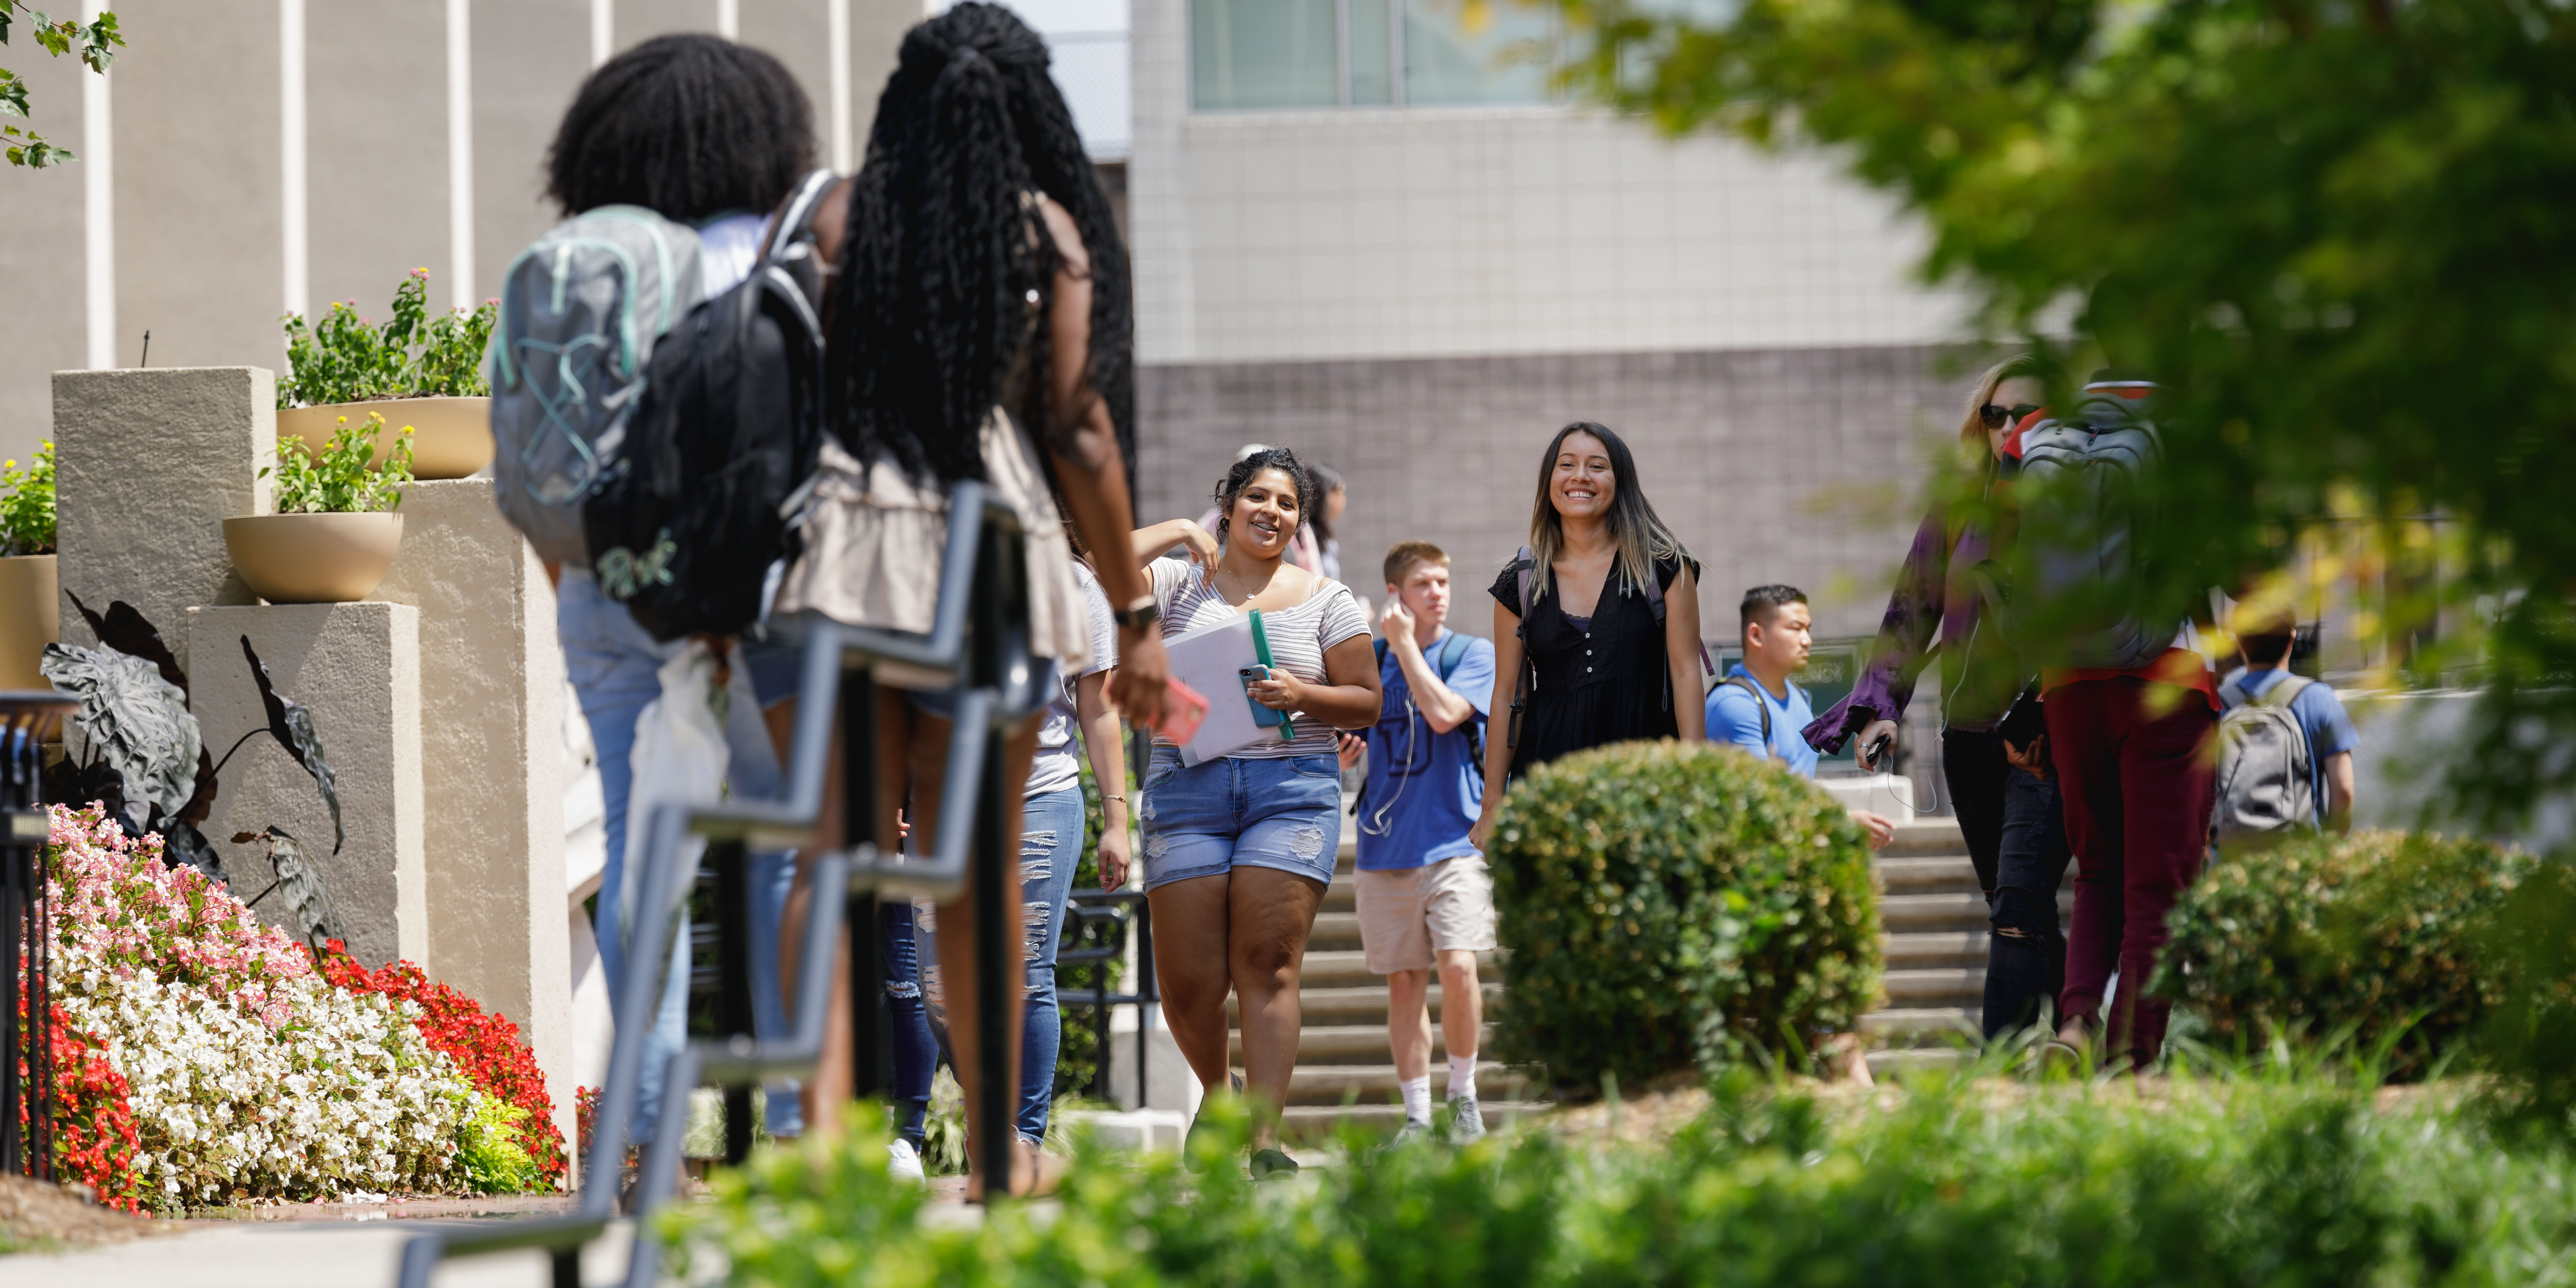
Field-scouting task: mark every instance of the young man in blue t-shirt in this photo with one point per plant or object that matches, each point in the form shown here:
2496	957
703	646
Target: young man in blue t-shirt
2320	713
1425	900
1777	636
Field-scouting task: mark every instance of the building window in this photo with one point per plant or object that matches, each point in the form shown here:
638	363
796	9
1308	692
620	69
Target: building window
1270	55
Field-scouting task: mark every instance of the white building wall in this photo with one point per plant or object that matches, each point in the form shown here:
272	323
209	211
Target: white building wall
1427	232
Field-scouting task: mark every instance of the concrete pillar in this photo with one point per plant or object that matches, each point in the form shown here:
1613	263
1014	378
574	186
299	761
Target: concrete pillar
357	668
148	466
492	692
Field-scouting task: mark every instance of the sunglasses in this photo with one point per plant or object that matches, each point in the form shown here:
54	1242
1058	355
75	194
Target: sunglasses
1996	417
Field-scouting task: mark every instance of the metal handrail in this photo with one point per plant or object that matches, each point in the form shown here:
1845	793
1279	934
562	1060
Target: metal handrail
979	638
1121	909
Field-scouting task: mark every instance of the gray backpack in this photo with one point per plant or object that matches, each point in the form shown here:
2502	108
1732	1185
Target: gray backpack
2090	462
580	311
2266	769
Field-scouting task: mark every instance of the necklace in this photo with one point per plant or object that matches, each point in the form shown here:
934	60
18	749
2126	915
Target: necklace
1240	584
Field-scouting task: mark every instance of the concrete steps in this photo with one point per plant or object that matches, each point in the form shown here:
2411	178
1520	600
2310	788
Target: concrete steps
1934	924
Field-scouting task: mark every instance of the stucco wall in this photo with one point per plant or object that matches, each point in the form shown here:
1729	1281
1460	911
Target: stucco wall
1391	233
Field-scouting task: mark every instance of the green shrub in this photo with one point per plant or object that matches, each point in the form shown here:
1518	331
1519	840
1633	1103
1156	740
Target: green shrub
336	479
1669	907
346	358
490	1145
27	504
2250	1183
2380	939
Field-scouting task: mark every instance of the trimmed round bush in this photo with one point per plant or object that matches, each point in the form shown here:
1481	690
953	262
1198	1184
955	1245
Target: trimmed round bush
1668	907
2377	940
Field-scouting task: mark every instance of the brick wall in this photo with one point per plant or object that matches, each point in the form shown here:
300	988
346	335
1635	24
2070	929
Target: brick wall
1798	465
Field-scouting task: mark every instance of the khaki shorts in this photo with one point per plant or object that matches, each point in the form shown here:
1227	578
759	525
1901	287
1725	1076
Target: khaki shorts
1408	915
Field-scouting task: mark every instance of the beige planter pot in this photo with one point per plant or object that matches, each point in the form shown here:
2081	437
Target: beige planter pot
31	617
313	558
451	438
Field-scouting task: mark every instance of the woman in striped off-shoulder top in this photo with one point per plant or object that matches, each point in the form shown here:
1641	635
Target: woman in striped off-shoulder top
1238	850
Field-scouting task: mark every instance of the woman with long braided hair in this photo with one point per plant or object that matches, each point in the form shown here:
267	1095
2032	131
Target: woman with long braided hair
977	327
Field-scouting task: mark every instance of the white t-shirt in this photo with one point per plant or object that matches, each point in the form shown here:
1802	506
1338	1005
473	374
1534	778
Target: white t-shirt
1059	759
1298	639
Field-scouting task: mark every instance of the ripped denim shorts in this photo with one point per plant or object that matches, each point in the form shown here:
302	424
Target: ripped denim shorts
1233	812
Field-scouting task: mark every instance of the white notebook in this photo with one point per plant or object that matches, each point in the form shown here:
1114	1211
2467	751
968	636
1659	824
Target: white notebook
1211	659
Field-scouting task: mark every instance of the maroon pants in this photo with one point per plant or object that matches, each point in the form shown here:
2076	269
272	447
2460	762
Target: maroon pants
2133	766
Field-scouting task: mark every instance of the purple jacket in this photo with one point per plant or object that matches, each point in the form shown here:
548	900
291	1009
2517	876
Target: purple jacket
1934	592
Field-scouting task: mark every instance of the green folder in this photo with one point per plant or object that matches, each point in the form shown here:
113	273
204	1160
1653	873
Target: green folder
1261	654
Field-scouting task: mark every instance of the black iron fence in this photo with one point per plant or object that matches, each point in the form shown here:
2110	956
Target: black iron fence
26	933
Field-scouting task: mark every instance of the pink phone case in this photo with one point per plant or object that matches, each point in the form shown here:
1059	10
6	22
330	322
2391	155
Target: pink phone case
1182	715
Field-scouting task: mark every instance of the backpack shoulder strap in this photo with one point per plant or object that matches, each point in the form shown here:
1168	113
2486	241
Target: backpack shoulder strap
796	216
1451	654
1525	565
1761	704
2283	692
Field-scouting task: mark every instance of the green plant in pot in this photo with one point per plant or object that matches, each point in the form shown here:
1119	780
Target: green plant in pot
336	528
30	608
424	373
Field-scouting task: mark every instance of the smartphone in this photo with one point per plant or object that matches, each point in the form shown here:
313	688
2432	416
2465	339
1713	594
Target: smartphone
1183	710
1262	717
2023	722
1875	754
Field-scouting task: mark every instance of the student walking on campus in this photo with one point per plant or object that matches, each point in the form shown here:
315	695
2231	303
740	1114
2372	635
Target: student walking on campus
2007	804
1596	625
1079	721
710	134
1238	849
2285	743
1425	899
2131	706
978	314
1759	707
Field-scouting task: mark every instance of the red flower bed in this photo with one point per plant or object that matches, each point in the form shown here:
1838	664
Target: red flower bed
486	1047
95	1139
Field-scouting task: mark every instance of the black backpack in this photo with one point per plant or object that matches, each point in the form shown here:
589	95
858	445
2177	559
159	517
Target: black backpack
686	526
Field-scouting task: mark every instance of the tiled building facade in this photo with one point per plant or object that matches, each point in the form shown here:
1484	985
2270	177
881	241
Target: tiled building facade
1420	295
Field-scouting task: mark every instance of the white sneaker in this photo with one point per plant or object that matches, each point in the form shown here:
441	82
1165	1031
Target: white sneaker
904	1163
1466	1122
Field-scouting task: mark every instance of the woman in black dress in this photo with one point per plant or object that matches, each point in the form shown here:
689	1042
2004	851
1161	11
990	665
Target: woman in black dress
1606	655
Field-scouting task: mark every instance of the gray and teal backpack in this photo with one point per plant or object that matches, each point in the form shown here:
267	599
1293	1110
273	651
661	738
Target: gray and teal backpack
580	311
2089	465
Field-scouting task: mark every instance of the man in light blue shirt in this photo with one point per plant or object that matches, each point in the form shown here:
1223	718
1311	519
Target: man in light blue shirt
1758	707
2319	710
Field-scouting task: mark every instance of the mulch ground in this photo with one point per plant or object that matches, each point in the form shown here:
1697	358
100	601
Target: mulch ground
44	1215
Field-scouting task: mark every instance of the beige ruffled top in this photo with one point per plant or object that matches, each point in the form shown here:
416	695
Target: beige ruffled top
873	540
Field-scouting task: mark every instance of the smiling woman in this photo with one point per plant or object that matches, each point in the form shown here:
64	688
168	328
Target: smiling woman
1238	849
1596	624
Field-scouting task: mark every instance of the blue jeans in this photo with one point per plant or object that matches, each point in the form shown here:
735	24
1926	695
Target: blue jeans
1231	812
615	666
916	1053
1051	831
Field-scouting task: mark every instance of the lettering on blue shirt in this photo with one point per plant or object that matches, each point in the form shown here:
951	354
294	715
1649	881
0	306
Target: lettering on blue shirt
1425	789
1734	719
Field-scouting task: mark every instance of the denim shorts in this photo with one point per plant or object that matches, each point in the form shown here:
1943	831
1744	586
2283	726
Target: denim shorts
1233	812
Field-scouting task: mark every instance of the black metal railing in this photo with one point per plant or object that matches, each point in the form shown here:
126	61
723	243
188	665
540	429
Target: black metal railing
979	636
1104	919
26	935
